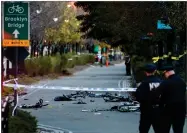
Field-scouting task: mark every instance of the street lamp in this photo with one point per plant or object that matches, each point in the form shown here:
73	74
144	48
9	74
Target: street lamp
39	10
55	19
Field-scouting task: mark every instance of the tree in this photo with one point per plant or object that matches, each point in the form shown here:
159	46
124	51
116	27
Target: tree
115	19
127	21
42	14
68	31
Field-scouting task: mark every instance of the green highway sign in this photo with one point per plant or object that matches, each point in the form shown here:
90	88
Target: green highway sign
16	24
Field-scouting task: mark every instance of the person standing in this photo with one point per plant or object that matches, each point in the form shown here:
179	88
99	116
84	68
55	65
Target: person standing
172	92
149	106
128	65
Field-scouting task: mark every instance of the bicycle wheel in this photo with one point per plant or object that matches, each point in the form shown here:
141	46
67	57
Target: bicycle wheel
11	10
20	10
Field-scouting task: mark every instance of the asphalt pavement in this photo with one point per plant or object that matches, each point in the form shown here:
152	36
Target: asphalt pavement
69	116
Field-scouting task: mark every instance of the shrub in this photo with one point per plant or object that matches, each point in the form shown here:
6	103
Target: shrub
64	62
79	60
22	122
84	59
32	66
56	63
91	59
44	65
71	63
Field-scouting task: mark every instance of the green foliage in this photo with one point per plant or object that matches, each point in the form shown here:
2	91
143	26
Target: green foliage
52	35
120	22
55	64
38	66
32	67
23	122
68	31
44	65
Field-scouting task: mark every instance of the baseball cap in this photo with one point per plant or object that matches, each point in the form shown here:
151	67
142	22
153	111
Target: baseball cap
150	68
167	68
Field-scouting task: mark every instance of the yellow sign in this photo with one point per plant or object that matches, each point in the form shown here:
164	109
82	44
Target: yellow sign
16	43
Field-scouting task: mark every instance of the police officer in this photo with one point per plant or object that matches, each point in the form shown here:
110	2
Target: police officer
149	106
172	97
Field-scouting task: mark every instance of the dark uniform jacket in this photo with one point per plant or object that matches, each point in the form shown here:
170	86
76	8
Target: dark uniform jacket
144	93
173	93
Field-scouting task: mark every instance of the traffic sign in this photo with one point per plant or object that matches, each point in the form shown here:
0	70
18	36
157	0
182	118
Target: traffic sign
16	24
21	54
162	26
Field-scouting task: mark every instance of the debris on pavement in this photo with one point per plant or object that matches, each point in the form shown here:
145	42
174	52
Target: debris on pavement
116	98
63	98
37	105
129	107
95	95
85	110
97	113
123	107
81	94
92	100
71	97
80	102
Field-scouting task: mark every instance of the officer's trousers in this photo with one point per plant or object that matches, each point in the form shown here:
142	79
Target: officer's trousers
128	69
173	117
150	118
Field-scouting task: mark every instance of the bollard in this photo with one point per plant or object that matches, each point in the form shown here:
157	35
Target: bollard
106	63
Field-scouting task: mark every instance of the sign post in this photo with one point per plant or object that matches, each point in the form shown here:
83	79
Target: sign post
16	24
16	29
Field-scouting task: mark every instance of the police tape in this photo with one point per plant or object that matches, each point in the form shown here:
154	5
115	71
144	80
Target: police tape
10	80
155	59
71	88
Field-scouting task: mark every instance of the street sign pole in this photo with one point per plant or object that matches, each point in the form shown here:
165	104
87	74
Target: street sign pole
16	75
16	30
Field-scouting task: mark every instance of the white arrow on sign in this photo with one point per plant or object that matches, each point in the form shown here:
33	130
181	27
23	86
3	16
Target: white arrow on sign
16	32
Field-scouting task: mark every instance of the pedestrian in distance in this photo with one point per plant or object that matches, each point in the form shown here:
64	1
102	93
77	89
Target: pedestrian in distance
172	92
101	61
128	65
149	106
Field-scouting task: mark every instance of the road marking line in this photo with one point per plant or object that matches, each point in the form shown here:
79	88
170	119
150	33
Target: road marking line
55	128
32	92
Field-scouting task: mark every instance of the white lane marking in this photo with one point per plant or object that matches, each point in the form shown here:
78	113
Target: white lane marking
35	90
32	92
56	128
